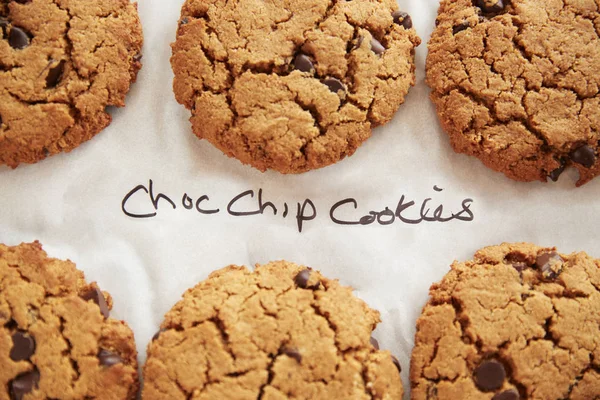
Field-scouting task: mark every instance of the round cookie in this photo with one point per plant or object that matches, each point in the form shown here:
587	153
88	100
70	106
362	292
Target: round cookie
56	339
280	332
62	63
517	322
292	85
515	84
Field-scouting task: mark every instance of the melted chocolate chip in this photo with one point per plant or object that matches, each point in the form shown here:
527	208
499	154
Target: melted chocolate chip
554	175
490	375
377	47
511	394
293	353
95	294
138	57
460	28
492	6
402	18
23	384
396	363
184	21
517	260
374	343
23	346
55	74
336	86
583	155
302	280
304	64
550	264
18	38
108	359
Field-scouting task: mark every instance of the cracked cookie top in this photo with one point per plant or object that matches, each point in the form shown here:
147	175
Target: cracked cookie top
280	332
56	339
292	85
62	63
515	83
517	322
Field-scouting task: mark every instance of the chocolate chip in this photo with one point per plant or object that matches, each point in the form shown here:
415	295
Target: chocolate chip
95	294
23	384
302	280
303	64
490	375
517	260
374	343
18	38
492	6
157	334
293	353
108	359
23	346
185	21
377	47
460	28
336	86
550	264
396	363
554	175
55	74
138	57
402	18
583	155
511	394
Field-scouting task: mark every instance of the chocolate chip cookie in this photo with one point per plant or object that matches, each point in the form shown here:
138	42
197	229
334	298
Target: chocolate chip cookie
515	83
517	322
56	338
292	85
280	332
62	63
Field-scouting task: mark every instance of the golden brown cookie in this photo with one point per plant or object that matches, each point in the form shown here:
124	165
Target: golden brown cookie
62	63
292	85
280	332
517	322
515	83
56	339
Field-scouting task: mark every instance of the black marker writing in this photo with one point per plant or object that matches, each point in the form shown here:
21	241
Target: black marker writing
250	203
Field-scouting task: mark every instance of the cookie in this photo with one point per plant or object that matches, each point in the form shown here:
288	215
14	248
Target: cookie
515	84
56	338
292	85
280	332
517	322
62	63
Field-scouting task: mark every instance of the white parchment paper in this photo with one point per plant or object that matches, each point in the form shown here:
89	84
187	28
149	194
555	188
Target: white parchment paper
72	204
